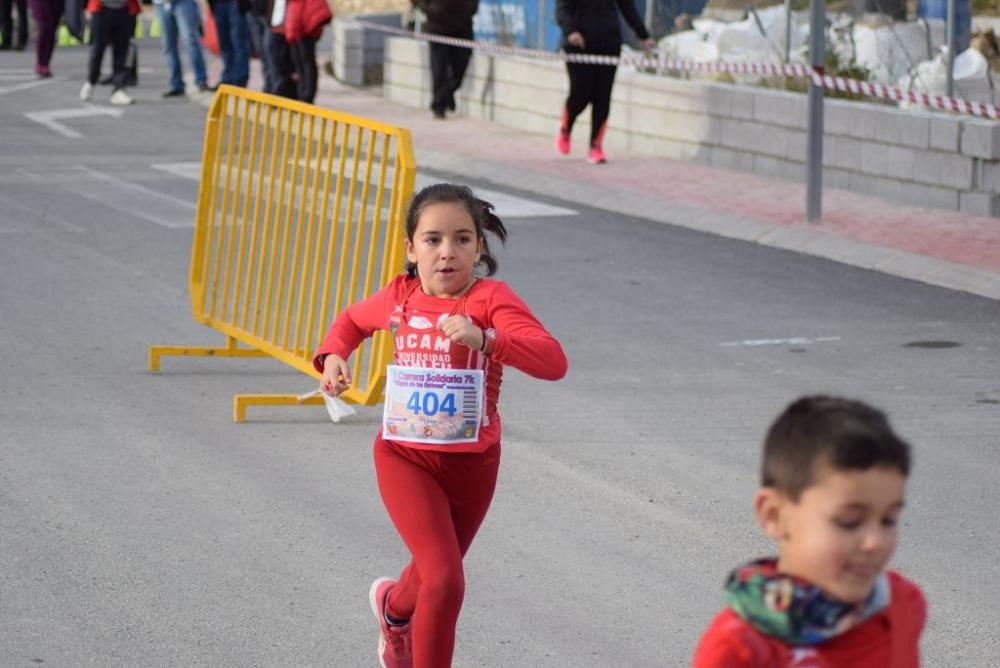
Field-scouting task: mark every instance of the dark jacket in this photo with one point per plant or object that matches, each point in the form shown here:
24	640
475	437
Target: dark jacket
448	17
597	21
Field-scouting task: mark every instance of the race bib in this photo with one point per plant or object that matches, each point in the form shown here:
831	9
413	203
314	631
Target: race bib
439	406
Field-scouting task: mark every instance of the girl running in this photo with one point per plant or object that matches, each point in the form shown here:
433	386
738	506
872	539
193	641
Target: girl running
437	455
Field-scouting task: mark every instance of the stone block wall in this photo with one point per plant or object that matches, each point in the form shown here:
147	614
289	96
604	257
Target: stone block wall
914	157
358	54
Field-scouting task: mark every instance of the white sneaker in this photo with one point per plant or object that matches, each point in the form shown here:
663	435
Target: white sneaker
87	91
121	97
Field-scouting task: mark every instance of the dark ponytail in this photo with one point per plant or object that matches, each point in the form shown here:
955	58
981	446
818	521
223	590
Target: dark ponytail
479	210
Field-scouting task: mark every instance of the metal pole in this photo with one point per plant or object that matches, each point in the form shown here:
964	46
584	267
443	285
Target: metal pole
814	140
788	28
950	28
649	15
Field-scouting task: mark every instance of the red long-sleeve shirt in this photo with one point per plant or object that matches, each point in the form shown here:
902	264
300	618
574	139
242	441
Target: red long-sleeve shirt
403	308
888	639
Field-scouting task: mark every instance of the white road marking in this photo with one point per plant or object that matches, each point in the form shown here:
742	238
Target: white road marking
507	206
22	86
51	117
794	341
120	195
185	170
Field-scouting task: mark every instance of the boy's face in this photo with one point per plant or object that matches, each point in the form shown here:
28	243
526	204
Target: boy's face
841	532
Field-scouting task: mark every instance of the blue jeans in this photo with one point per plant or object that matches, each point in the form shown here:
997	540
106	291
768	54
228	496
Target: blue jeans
234	42
181	18
258	27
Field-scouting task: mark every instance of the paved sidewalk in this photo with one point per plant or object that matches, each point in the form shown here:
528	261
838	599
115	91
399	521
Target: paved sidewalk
949	249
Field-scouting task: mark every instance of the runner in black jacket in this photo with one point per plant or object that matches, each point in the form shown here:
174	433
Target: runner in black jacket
591	26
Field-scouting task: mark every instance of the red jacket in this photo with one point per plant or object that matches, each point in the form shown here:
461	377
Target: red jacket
305	18
889	639
94	6
521	341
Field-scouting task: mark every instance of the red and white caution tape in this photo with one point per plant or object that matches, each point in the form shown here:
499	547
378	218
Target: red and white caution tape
915	97
660	63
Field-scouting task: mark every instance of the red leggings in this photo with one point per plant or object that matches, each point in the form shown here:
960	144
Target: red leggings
437	500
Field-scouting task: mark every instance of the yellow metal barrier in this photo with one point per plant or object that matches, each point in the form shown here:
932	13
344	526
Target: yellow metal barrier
300	213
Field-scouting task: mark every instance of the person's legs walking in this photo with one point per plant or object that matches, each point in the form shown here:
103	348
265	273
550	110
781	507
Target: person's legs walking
304	57
257	29
600	109
47	13
221	14
458	62
241	45
121	32
439	78
6	24
168	37
437	502
580	92
22	24
281	57
188	20
100	37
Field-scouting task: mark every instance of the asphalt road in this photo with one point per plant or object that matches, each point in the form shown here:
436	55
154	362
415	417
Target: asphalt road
140	527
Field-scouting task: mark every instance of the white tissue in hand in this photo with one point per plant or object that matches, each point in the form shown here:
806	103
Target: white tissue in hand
337	408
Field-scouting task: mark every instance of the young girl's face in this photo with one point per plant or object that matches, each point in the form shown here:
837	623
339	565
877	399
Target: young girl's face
445	248
841	532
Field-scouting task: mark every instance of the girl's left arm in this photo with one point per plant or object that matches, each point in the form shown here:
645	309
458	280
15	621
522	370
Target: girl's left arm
521	340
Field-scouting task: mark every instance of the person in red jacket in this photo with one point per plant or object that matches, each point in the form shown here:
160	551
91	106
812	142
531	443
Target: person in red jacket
438	452
304	21
834	475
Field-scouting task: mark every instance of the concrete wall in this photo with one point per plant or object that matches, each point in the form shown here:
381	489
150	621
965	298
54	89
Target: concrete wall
357	54
919	158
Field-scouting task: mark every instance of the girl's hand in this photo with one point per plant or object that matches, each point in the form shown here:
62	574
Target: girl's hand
649	44
576	39
336	375
460	329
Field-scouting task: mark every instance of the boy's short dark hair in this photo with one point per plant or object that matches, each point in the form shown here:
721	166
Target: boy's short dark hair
841	433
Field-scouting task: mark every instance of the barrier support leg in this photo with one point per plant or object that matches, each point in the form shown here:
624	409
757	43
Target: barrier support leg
242	401
155	352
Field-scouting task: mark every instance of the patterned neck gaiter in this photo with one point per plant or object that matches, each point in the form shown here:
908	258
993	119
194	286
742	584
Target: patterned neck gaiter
792	609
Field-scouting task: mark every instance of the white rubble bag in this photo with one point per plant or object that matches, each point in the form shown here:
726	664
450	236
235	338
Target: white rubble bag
759	39
972	78
889	50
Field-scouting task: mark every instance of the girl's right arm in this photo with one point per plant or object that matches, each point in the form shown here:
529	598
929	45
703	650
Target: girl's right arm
355	324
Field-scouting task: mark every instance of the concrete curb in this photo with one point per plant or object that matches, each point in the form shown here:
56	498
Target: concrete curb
813	242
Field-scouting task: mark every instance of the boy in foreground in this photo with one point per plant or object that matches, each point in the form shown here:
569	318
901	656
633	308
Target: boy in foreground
833	481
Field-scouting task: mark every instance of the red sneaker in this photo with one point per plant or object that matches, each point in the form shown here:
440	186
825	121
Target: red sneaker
395	643
596	156
562	142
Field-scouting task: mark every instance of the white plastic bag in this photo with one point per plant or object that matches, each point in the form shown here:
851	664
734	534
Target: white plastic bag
337	409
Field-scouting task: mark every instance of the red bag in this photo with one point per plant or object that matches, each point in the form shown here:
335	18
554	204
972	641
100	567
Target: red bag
210	36
306	18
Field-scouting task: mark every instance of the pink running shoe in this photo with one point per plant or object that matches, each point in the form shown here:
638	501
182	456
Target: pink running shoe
596	156
395	648
562	142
